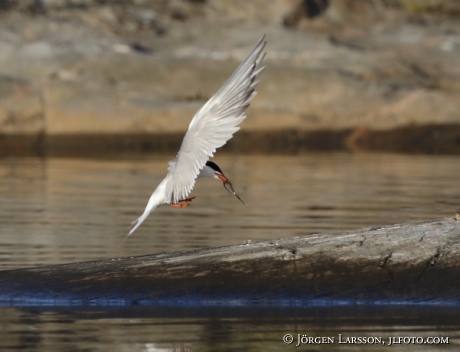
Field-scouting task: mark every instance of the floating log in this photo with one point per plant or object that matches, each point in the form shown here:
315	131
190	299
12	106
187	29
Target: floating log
399	264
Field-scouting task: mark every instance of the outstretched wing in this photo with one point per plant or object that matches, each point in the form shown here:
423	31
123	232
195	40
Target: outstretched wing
214	124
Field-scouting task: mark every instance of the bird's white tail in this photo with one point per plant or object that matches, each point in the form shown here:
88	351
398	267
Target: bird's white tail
136	223
157	198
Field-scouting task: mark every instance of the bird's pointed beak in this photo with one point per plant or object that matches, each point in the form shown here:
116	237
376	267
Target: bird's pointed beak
222	177
226	182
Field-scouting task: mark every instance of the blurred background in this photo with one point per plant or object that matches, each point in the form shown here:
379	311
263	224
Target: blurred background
87	76
356	124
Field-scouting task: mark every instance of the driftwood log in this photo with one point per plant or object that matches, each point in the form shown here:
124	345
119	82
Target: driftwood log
399	264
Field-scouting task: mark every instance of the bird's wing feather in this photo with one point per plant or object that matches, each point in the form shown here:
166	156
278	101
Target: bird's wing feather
214	124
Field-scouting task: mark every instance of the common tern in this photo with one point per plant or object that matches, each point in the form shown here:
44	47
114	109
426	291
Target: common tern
211	127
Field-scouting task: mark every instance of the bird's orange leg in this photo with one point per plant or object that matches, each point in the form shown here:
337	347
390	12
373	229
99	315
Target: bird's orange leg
183	205
179	205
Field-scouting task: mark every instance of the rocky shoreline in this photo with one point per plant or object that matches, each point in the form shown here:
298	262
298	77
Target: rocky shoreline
86	76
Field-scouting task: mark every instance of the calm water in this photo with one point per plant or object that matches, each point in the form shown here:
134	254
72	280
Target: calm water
59	210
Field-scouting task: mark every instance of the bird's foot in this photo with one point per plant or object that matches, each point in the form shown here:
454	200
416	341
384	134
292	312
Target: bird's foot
179	205
187	199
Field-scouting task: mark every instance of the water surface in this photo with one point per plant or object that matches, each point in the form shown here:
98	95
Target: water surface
58	210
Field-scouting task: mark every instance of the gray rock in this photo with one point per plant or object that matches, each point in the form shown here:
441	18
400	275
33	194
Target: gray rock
135	68
399	264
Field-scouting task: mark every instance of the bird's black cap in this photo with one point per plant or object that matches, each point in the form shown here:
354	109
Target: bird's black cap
214	167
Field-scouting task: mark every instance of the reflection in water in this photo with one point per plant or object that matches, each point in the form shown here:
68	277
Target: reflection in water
62	210
150	329
59	210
